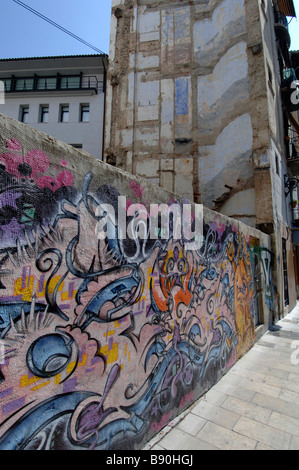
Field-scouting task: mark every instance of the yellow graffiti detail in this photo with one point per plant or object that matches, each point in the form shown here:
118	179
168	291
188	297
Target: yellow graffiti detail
65	295
51	289
57	379
112	354
71	366
41	386
26	381
53	284
25	292
127	354
110	333
149	277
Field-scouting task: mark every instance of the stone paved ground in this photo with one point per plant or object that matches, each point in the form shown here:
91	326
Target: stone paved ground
254	406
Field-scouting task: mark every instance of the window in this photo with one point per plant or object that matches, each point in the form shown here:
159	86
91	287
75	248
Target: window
69	82
24	84
270	79
277	164
270	76
84	113
46	83
64	113
44	113
24	113
77	146
7	84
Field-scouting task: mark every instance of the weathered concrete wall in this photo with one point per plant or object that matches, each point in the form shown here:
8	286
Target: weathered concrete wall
105	339
188	99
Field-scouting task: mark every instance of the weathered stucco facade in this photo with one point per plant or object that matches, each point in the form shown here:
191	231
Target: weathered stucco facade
182	99
105	339
194	106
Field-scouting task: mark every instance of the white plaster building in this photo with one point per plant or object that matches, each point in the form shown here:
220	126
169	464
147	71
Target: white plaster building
63	96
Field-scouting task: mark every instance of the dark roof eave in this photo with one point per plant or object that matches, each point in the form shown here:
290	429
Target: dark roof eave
54	57
287	7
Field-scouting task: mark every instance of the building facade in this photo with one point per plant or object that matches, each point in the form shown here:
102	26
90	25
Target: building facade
61	96
197	106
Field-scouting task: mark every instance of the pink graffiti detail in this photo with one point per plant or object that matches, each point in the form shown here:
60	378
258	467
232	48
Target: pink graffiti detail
137	189
32	165
189	398
65	178
13	144
158	426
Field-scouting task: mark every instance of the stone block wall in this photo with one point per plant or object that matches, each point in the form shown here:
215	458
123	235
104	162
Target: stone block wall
105	339
188	99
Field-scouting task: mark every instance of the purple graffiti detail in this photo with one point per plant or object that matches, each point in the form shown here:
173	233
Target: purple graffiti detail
13	405
94	414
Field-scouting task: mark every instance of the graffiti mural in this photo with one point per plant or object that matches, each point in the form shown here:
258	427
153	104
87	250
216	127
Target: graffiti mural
105	339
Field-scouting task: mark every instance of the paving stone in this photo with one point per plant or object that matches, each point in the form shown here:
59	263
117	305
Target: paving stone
263	360
294	443
268	435
192	424
157	447
235	391
287	334
276	404
247	409
268	344
216	414
283	374
289	396
293	377
285	423
178	439
283	383
260	387
261	446
215	397
246	373
274	353
224	438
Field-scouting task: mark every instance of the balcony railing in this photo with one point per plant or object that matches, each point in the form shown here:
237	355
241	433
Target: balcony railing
280	18
282	27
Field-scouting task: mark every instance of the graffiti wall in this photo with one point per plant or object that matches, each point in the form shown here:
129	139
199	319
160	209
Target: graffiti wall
106	337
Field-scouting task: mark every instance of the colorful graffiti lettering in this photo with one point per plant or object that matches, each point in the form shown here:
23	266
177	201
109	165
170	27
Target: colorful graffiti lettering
104	342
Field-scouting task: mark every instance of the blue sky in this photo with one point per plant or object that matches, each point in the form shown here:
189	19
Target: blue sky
294	28
22	34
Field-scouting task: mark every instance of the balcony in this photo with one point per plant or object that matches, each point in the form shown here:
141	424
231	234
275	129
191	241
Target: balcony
294	206
292	150
293	164
58	83
282	28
